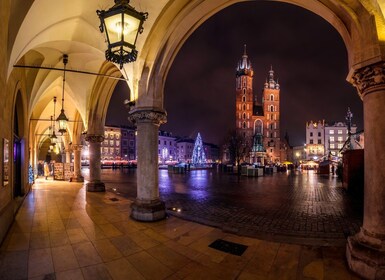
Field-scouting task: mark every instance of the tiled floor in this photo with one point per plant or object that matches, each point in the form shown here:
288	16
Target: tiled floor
62	232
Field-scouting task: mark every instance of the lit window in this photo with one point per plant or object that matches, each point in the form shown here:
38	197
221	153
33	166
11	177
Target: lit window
332	146
331	131
331	138
339	131
340	146
339	138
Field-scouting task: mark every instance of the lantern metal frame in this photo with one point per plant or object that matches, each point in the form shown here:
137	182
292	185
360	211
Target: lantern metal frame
121	51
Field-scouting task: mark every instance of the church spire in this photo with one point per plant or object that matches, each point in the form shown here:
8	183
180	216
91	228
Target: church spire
271	83
244	65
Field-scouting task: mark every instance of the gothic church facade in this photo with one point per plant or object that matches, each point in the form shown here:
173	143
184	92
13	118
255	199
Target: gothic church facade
259	122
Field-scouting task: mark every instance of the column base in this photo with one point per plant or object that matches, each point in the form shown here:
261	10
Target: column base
95	187
365	253
148	211
77	179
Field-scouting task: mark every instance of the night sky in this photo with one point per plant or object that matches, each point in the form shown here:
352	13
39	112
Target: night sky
307	54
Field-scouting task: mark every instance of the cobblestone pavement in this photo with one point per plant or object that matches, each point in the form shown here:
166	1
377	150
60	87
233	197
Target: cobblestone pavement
294	207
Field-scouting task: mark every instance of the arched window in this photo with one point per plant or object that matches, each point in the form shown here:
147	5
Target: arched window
272	108
244	124
244	91
272	116
271	97
244	98
271	126
244	116
244	107
258	127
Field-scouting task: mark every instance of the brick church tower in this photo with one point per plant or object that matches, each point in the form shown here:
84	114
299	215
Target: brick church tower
258	122
244	96
271	109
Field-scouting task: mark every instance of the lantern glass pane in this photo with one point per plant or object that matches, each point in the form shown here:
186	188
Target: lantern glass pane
131	29
114	28
62	125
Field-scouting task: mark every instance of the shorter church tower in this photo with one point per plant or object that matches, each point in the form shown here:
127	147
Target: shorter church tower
270	100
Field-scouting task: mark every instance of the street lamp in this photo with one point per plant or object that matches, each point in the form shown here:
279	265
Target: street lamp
62	118
122	24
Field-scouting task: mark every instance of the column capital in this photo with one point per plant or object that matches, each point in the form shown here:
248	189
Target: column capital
148	114
77	147
94	138
369	78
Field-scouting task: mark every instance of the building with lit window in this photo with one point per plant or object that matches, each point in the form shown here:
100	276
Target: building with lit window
128	143
336	136
110	147
323	139
315	141
167	148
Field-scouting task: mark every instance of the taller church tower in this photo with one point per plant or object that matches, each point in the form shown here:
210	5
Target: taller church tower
270	100
244	96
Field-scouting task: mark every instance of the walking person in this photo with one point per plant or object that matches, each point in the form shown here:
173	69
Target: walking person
46	170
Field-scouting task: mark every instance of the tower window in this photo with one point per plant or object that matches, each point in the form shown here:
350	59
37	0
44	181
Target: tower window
244	98
244	116
271	97
244	107
244	91
272	108
244	124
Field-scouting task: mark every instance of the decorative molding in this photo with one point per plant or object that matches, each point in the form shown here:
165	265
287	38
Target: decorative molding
369	77
157	116
93	138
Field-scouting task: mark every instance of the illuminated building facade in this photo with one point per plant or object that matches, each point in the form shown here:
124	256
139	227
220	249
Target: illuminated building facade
323	139
335	137
167	148
258	123
315	141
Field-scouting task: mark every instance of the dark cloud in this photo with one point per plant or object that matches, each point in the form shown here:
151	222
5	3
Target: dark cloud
306	52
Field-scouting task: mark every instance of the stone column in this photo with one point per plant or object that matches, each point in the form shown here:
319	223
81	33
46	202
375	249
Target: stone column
77	177
366	250
147	206
95	184
68	156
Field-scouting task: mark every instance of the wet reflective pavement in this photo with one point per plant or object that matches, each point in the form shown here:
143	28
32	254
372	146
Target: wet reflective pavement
304	208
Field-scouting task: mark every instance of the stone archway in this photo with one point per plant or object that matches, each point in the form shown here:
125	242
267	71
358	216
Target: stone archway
362	28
